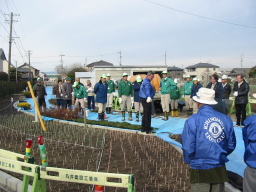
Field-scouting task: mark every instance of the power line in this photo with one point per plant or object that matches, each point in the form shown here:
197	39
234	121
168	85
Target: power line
19	52
21	24
204	17
7	5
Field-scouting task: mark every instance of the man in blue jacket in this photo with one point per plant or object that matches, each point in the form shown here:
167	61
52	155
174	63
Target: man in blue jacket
101	91
207	139
147	94
249	136
137	99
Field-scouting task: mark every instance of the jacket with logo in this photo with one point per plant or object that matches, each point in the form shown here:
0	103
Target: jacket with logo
249	136
175	93
187	87
207	139
167	84
111	86
125	88
80	92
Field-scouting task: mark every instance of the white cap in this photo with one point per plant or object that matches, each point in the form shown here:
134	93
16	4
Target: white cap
108	75
195	79
187	76
224	77
164	72
138	79
125	74
205	96
254	95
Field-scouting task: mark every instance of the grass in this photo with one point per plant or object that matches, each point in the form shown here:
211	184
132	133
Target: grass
124	125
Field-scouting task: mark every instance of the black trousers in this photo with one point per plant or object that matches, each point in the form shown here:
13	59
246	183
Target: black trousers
67	103
146	118
240	109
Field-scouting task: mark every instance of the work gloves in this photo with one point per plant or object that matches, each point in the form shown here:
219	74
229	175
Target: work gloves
149	100
85	100
236	93
120	100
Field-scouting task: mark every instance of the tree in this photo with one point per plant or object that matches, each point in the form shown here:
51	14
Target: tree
69	70
3	76
252	72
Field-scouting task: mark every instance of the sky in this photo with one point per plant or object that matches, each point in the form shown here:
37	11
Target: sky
89	31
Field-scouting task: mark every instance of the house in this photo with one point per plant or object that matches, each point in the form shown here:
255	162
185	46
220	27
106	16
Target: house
25	71
100	63
4	62
237	71
175	72
117	72
202	71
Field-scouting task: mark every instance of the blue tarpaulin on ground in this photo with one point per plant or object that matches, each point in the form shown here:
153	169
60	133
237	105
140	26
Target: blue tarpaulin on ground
174	126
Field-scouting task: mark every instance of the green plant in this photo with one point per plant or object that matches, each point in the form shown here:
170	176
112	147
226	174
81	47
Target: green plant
24	105
27	94
124	125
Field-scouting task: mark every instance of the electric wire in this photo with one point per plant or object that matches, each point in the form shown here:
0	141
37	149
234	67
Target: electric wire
204	17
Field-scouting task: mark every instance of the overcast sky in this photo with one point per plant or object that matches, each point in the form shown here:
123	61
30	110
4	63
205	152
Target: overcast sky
88	31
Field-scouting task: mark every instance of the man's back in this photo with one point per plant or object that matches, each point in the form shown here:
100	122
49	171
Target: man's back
208	137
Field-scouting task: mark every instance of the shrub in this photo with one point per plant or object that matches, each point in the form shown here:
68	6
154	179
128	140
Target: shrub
3	76
63	114
24	105
27	94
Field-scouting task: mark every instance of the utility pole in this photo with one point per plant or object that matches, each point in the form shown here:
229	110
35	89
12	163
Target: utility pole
120	55
165	59
62	68
16	72
85	62
10	43
29	53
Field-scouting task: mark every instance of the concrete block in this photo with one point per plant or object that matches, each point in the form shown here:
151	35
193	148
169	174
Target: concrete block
3	178
13	182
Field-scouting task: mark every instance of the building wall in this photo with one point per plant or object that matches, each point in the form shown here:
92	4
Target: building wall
203	73
175	74
1	65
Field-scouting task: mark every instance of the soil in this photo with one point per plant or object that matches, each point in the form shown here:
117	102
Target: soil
157	166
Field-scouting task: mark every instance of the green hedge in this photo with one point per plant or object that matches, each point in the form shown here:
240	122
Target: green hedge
123	125
9	88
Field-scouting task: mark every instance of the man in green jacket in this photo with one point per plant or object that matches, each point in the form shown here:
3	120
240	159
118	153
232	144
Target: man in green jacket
80	94
186	93
166	85
125	93
111	89
175	96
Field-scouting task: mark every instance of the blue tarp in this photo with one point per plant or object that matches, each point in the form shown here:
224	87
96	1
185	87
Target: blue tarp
174	126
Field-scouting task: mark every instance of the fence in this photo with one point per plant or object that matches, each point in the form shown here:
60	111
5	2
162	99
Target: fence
10	161
8	88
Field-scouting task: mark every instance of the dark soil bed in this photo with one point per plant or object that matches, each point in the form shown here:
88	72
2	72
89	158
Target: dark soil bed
157	166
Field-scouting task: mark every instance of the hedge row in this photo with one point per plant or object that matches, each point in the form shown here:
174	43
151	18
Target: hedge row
9	88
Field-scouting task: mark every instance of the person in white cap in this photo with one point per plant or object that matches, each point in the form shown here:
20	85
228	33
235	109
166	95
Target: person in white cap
166	85
208	138
125	93
226	91
137	99
186	93
194	90
241	91
111	89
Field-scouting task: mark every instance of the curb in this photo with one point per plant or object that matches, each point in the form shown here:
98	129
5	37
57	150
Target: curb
228	187
10	183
